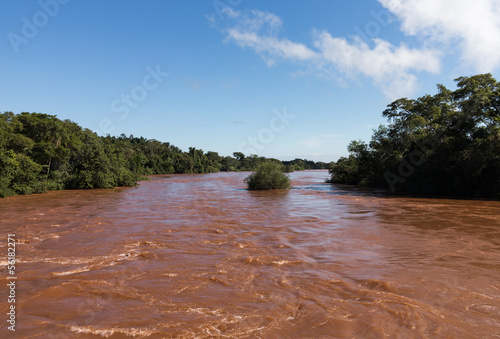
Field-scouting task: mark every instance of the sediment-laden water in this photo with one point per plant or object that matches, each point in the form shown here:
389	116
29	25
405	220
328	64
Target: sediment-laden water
198	256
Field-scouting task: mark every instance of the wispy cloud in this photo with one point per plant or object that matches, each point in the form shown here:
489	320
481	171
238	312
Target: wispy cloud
258	30
475	25
440	25
270	48
390	67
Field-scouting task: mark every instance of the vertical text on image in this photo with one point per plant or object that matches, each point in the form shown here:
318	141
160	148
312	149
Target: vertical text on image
11	278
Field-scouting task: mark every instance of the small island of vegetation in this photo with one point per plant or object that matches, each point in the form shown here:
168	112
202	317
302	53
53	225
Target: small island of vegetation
39	152
269	175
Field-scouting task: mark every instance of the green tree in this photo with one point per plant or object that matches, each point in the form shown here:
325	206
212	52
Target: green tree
269	175
40	152
19	174
448	143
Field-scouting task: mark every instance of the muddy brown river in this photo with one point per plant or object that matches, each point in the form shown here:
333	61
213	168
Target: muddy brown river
198	256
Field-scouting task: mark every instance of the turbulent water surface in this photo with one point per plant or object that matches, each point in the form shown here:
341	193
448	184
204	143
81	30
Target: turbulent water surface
198	256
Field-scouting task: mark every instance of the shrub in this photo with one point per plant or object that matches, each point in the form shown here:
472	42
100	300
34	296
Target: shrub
289	168
268	176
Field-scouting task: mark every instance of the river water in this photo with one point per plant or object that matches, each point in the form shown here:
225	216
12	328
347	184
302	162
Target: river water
198	256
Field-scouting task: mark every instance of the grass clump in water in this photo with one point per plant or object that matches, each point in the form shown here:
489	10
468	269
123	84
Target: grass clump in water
268	176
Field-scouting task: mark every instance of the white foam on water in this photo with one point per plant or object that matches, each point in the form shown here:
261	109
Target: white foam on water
76	270
129	332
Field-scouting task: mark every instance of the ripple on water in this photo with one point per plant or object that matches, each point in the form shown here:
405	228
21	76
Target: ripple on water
198	256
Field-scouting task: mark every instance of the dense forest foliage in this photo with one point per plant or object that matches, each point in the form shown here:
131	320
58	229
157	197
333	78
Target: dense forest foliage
446	144
39	152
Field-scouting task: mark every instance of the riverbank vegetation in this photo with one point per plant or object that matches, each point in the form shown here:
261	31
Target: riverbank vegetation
444	144
269	175
39	152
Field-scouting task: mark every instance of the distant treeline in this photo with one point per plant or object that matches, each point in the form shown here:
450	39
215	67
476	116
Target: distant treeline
445	144
39	152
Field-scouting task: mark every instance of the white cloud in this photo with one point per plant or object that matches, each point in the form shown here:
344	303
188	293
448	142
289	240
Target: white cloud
270	48
255	21
389	66
230	12
442	26
392	68
258	30
475	25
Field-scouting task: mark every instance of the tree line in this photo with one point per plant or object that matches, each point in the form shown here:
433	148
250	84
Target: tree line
442	144
39	152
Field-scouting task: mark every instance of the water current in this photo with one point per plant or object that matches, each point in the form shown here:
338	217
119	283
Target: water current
199	256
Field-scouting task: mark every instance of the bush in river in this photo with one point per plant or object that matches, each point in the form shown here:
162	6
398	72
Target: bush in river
39	152
268	176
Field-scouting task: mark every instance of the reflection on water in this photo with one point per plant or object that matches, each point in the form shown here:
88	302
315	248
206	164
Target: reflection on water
195	256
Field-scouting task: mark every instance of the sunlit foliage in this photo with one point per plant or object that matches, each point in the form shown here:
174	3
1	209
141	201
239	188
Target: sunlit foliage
268	176
448	144
39	152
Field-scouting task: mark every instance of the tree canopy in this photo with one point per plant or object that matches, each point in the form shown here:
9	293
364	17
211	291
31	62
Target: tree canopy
447	144
39	152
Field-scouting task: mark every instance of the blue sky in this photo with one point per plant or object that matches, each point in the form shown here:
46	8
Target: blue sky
277	78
